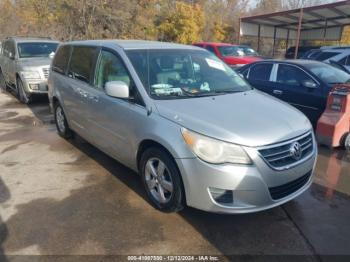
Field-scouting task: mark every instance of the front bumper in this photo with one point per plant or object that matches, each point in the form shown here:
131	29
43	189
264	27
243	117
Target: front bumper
250	185
34	86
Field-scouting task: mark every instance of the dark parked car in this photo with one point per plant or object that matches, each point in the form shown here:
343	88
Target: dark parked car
311	54
301	51
304	84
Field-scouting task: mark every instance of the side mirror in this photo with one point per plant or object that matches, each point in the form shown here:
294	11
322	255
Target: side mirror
309	84
117	89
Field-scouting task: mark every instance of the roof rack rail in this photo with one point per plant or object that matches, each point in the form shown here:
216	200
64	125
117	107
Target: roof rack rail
29	36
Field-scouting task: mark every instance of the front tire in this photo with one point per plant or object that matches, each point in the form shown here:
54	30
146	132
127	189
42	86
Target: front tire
61	122
347	142
21	93
162	180
3	85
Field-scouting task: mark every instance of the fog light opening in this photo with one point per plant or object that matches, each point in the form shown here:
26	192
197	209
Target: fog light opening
221	196
34	86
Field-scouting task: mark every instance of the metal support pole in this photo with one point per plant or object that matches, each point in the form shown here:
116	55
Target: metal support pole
259	39
239	31
287	40
325	31
299	31
274	41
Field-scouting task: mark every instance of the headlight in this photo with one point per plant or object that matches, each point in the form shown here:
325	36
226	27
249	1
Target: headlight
30	75
214	151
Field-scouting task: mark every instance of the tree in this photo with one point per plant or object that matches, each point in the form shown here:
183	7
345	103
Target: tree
183	24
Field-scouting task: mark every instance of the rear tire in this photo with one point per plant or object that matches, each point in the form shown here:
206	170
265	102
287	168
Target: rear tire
21	93
61	122
162	180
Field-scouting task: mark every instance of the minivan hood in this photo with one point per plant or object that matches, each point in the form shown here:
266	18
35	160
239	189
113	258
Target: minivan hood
34	62
249	118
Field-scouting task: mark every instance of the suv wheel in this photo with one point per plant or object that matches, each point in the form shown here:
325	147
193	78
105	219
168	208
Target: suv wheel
161	180
22	95
61	122
3	85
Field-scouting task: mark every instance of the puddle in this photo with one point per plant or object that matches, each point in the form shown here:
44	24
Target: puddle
333	171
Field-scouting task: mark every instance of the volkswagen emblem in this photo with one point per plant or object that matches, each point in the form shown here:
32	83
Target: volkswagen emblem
295	151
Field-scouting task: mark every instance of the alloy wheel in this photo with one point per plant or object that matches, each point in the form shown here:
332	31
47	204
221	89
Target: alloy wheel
158	180
60	119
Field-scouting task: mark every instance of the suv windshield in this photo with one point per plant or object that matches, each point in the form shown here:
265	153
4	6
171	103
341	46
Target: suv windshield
328	73
172	74
237	51
26	50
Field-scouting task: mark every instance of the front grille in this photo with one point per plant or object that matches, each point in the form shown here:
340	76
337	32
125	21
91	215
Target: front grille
280	156
46	72
282	191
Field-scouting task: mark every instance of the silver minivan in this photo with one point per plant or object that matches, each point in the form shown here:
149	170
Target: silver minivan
195	131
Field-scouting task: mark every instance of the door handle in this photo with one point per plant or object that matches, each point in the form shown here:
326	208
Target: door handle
277	92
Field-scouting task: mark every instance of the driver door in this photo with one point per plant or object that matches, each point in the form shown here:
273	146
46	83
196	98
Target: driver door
113	122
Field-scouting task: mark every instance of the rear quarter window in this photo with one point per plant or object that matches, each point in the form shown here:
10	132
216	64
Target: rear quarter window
260	72
61	59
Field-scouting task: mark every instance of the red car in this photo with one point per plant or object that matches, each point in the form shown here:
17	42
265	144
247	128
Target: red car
233	55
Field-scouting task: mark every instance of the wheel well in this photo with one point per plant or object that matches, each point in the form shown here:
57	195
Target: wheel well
144	145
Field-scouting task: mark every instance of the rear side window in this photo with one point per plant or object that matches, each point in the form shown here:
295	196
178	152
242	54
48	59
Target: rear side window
82	63
260	72
61	60
8	48
5	48
325	55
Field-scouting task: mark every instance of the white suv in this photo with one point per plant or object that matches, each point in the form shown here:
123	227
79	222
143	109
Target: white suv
24	65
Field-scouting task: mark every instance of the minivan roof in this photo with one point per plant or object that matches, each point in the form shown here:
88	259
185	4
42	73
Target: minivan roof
133	44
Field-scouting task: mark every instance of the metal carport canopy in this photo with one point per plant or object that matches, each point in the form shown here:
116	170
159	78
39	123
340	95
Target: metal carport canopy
322	22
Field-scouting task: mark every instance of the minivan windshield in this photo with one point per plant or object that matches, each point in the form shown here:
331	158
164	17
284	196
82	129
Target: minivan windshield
27	50
174	74
329	74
